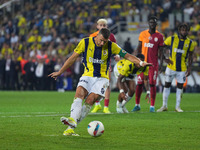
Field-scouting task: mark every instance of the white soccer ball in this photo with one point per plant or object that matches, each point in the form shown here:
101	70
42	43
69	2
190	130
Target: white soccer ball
95	128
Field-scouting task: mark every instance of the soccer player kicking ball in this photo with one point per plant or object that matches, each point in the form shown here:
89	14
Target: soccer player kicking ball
102	23
95	79
125	72
181	51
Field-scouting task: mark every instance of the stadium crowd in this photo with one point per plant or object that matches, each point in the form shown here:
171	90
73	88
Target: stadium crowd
40	37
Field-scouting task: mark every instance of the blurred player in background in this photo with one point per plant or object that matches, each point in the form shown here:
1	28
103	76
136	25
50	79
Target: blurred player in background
125	72
102	23
181	51
150	45
95	79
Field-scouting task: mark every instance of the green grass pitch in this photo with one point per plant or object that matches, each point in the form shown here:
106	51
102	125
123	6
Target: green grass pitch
31	121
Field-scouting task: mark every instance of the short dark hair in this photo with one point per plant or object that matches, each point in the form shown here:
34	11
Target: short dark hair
141	56
105	32
153	18
184	25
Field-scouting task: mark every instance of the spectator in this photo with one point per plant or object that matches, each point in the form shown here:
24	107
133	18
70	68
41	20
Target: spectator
145	13
6	49
47	23
46	38
2	72
188	9
40	74
195	26
10	28
14	39
9	73
29	68
127	46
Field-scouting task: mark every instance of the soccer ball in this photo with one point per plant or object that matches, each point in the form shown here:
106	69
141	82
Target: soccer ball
95	128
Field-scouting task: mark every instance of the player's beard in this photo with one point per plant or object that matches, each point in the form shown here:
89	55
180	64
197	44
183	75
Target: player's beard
183	36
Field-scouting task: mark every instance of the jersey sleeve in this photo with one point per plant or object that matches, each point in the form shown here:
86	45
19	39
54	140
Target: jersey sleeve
80	48
94	34
192	46
115	48
146	71
141	36
168	41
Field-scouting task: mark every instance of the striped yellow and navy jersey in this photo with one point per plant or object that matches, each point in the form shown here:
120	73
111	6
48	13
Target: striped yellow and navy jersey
128	69
97	59
179	50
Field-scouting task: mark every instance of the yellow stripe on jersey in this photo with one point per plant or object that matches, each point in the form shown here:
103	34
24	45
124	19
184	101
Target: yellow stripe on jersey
179	50
128	69
96	59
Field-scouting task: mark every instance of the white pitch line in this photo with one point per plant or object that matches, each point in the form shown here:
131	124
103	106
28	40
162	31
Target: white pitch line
63	114
52	135
27	116
30	112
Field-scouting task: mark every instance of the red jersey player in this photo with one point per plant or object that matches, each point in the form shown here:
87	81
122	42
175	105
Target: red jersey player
150	42
102	23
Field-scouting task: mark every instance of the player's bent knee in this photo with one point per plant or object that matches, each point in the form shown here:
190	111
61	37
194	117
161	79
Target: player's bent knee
131	94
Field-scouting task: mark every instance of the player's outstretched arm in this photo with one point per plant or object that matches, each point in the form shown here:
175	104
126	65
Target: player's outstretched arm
66	65
136	60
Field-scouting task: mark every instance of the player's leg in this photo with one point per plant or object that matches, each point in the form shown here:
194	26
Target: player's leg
120	100
75	114
138	93
169	75
90	100
106	101
166	93
107	97
119	104
179	90
131	90
153	73
81	92
180	77
76	106
97	92
97	107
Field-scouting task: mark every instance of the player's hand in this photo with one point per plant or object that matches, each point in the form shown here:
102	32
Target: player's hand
54	75
147	98
123	96
188	72
146	64
117	58
169	61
